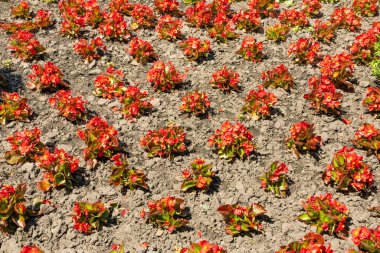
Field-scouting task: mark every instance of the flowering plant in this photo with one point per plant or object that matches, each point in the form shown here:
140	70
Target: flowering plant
164	142
89	216
90	50
232	140
199	15
72	108
59	167
203	247
368	137
257	104
363	48
31	249
265	7
13	210
42	19
309	243
249	20
365	7
218	6
194	48
13	107
278	77
117	248
367	240
125	176
251	50
73	15
225	79
109	85
293	18
164	77
305	50
167	6
195	102
24	46
22	10
200	178
100	139
223	28
345	18
242	219
45	77
326	213
167	213
143	16
169	28
324	31
323	96
372	100
302	138
92	15
276	180
121	6
134	102
114	26
311	7
142	51
277	32
25	146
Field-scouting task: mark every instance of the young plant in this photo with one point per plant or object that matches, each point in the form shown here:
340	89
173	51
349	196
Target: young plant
278	77
194	49
200	177
164	142
249	20
117	248
304	51
42	19
293	18
13	107
223	28
169	28
122	6
302	138
367	8
22	10
90	216
72	108
124	176
225	79
196	103
218	6
257	104
368	138
276	180
311	7
168	212
242	219
199	15
142	51
203	247
277	32
266	8
232	141
134	103
327	214
110	84
90	50
363	48
367	240
24	46
324	32
45	77
73	16
31	249
143	16
311	242
251	50
345	18
25	146
59	167
323	96
164	77
13	211
100	139
167	6
114	27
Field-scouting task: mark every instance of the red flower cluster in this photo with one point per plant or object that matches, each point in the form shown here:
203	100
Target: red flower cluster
326	213
169	28
72	12
345	18
311	242
22	10
42	19
218	6
249	20
72	108
258	103
90	216
167	6
142	51
311	7
305	50
278	77
199	15
323	96
372	100
164	77
365	7
348	171
90	50
31	249
232	140
114	26
363	48
13	107
302	138
195	102
109	85
368	137
293	18
164	142
167	213
242	219
194	48
368	240
276	180
92	15
265	7
277	32
251	50
134	103
45	77
324	31
59	167
121	6
100	139
24	46
225	79
223	28
200	178
143	16
203	247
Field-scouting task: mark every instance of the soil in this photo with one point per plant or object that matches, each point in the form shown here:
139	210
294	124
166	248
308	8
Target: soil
238	182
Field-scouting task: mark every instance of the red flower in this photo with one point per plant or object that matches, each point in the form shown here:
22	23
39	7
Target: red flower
251	50
345	18
199	14
24	46
258	103
90	50
45	77
13	107
305	50
114	26
195	102
169	28
278	77
225	79
143	16
164	77
293	18
72	108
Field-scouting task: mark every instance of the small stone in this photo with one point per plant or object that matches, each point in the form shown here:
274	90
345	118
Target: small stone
159	232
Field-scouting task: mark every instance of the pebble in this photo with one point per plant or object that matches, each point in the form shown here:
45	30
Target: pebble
159	232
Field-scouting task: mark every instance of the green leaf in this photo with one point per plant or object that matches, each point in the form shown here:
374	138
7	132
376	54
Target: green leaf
304	217
59	179
187	185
